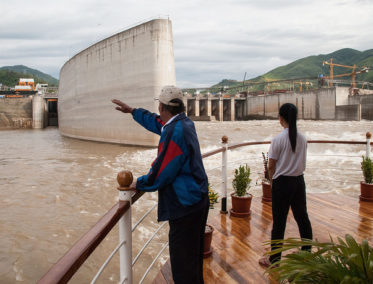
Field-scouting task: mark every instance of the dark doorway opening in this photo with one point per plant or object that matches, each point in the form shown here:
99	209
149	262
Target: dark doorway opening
52	113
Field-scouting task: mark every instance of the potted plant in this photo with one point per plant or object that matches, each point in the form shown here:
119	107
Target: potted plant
366	186
266	185
207	249
345	261
241	199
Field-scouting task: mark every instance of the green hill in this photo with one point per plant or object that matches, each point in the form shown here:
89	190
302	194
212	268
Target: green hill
226	82
312	67
9	75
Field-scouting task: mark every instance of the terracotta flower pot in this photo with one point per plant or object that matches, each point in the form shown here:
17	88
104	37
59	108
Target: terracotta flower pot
267	192
207	249
241	205
366	191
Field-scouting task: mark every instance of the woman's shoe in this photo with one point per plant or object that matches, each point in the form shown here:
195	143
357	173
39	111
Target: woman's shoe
264	261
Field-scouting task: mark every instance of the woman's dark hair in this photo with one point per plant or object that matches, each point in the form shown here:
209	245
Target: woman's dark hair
289	113
174	110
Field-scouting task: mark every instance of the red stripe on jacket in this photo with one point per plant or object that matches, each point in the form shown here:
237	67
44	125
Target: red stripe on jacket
173	150
160	121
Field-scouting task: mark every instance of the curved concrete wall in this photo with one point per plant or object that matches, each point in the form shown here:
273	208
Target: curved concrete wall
131	66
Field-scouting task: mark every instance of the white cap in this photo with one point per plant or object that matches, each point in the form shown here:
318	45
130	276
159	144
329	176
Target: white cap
168	93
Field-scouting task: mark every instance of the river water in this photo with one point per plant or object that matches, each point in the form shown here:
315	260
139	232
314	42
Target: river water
53	189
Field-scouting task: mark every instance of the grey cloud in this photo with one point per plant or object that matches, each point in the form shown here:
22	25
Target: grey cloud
212	39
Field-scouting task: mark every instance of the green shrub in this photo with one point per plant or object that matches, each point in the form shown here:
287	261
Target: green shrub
241	181
367	167
330	262
213	197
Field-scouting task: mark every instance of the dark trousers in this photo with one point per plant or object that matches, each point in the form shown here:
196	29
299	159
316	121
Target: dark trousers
289	192
186	238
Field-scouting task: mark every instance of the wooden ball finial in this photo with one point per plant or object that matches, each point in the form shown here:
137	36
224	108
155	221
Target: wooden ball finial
125	179
368	135
224	139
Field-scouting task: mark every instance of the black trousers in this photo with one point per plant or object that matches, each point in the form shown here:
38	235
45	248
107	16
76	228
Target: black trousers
289	192
186	237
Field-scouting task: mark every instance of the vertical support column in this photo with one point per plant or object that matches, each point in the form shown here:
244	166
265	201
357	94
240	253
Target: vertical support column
221	108
232	109
248	107
208	106
191	107
185	101
37	112
196	106
296	104
369	136
223	210
125	180
302	107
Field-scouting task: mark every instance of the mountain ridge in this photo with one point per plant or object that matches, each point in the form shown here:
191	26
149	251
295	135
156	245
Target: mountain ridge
9	75
312	66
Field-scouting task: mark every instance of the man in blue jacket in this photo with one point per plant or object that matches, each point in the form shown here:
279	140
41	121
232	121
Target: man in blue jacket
179	177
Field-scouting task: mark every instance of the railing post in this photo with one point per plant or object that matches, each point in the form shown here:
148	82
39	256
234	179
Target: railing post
368	135
223	210
125	179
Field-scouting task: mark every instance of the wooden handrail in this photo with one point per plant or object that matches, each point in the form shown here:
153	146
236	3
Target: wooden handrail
234	146
137	195
64	269
338	142
238	145
213	152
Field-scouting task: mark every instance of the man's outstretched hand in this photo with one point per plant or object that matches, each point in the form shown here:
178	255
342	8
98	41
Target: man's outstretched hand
122	106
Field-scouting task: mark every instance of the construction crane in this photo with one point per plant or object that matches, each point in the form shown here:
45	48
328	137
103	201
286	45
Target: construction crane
352	74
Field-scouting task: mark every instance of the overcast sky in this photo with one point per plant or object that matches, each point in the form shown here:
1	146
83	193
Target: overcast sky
213	40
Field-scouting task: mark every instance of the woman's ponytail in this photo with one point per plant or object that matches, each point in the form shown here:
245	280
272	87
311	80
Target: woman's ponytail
289	113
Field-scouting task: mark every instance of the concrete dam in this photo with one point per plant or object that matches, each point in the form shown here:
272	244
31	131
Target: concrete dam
335	103
131	66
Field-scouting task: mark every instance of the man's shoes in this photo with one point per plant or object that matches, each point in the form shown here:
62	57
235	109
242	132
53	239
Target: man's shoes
265	262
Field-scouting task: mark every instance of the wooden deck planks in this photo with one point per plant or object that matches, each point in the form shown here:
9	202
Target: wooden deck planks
238	243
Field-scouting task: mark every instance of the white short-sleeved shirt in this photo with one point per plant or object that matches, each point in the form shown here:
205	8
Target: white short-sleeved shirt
289	163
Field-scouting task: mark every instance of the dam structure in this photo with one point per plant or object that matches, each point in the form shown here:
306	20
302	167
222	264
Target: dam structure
131	66
332	103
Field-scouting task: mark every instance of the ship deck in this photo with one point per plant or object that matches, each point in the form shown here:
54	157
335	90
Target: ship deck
238	242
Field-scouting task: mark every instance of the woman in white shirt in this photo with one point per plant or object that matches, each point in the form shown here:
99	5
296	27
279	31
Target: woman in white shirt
286	164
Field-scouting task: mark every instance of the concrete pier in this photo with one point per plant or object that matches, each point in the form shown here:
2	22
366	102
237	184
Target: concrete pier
38	111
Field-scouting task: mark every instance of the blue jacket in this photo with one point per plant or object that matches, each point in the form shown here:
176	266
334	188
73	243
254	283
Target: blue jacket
177	173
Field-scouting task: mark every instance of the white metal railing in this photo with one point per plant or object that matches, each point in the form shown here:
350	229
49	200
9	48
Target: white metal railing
125	239
147	243
126	194
143	217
